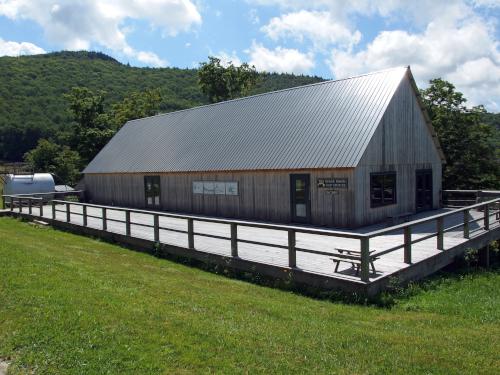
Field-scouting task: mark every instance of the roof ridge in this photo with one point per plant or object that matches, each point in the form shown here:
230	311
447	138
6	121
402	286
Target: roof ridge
272	92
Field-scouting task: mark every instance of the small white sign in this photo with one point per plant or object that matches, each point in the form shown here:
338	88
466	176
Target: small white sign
231	188
208	188
197	187
220	188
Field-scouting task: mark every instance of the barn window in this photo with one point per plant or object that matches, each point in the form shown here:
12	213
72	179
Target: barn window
382	189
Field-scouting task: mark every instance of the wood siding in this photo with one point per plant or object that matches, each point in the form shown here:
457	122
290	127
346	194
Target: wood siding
261	195
402	143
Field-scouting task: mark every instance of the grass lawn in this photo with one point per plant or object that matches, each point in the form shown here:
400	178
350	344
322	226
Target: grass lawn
70	304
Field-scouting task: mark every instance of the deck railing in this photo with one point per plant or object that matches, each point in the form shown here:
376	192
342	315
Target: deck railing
489	209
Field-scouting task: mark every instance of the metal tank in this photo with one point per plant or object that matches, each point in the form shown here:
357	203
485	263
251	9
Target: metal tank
28	184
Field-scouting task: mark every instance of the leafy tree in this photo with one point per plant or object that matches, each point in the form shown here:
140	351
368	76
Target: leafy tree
61	161
468	144
134	106
221	83
91	129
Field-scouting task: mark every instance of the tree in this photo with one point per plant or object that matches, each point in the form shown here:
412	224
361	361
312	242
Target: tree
221	83
91	129
134	106
468	144
61	161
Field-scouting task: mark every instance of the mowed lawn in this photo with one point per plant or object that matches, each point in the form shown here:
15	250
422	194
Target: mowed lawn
70	304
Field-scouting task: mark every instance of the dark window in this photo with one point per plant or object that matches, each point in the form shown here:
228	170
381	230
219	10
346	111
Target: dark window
152	191
382	189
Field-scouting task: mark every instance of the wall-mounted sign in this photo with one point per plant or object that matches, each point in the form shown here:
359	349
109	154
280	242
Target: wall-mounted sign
220	188
231	188
215	188
333	183
198	187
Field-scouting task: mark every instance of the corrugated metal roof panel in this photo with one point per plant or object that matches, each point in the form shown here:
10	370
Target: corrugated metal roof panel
324	125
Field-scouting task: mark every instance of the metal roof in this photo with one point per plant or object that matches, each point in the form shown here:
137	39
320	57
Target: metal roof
323	125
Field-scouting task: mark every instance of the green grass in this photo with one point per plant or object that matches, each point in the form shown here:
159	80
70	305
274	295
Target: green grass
70	304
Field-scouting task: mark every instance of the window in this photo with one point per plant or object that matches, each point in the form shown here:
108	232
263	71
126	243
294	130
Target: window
152	191
382	189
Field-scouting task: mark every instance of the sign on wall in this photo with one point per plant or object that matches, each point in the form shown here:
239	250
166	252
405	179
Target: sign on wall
333	183
215	187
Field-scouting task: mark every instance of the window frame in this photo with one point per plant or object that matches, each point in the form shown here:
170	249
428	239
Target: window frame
395	195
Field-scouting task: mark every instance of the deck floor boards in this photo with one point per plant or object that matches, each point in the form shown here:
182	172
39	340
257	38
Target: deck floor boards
319	264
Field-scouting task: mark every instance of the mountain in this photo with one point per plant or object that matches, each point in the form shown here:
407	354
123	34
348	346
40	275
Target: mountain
32	105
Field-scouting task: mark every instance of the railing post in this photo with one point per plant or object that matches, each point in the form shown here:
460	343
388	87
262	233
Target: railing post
11	203
20	201
407	246
440	234
234	240
466	223
30	209
84	215
104	222
156	226
190	234
486	217
41	207
53	210
292	253
127	223
365	259
68	213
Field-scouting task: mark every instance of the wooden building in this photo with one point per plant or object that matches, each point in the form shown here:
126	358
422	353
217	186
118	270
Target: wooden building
341	153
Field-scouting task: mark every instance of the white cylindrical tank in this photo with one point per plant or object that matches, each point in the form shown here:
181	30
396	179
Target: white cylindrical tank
29	184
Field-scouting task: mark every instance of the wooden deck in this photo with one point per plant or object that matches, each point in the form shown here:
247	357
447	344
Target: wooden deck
387	265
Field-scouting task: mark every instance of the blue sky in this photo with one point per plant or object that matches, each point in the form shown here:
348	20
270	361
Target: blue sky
456	39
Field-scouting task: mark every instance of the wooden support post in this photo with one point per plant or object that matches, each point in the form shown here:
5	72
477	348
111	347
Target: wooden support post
53	210
486	217
365	259
407	247
234	240
127	223
20	202
30	209
190	233
68	213
466	224
292	253
41	207
156	226
484	256
11	203
84	215
440	233
104	221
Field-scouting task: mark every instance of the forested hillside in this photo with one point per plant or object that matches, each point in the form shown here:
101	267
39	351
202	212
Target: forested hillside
32	105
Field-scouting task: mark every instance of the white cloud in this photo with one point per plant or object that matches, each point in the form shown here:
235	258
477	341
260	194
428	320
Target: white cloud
253	16
17	49
228	58
79	24
280	60
439	51
319	27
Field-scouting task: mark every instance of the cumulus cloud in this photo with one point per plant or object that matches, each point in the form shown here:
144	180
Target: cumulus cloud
228	58
319	27
280	60
17	49
450	52
79	24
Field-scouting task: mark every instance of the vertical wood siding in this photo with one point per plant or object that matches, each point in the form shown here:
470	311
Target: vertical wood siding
401	143
261	196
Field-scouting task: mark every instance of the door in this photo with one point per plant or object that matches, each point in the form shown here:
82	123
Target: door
300	198
424	189
152	191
